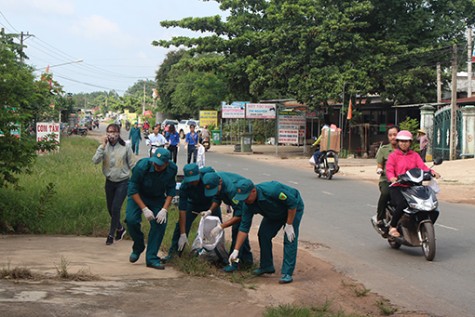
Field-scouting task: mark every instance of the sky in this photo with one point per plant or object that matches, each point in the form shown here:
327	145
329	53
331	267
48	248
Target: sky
99	45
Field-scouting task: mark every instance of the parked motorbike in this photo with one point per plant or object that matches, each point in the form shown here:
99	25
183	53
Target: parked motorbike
327	164
82	131
206	143
416	226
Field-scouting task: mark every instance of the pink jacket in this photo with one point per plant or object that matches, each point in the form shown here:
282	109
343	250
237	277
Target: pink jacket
399	163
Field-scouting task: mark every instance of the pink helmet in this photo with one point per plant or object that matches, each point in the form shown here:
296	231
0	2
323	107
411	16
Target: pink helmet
404	135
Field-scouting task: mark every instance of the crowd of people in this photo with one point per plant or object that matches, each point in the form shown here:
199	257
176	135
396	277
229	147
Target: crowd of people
150	186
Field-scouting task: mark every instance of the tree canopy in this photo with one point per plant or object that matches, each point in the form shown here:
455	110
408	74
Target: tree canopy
311	49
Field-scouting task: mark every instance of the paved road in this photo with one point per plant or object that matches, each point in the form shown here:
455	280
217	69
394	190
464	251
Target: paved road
337	214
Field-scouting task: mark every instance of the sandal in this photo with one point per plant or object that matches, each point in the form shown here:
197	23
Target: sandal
394	233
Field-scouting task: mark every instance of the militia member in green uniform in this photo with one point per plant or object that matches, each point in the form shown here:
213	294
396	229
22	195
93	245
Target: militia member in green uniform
381	159
222	187
280	206
193	202
151	190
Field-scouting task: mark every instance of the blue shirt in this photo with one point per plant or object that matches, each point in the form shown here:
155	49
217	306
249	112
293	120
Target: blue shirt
191	140
273	202
173	138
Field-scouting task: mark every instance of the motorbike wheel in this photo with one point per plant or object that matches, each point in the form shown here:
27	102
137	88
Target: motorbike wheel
428	240
330	175
394	244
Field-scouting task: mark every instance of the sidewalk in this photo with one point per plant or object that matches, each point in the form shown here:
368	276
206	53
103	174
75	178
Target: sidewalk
457	177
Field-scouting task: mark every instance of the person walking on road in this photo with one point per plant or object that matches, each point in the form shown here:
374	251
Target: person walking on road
222	187
135	136
191	141
151	190
280	206
193	202
117	162
173	138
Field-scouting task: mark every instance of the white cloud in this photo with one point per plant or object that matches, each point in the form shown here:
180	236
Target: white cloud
96	27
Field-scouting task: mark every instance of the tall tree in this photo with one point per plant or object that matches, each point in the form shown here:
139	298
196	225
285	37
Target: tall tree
311	49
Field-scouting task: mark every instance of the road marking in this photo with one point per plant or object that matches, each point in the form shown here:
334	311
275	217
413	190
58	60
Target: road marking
372	206
446	227
265	174
292	182
245	168
328	193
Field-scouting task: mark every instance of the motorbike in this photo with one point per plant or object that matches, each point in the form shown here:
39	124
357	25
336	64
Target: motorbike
206	143
127	125
416	226
82	131
327	164
153	147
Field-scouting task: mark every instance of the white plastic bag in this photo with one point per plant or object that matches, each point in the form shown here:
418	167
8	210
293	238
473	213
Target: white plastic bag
312	160
434	185
209	247
200	159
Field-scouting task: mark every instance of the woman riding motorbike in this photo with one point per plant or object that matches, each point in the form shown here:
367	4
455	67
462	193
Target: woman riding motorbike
399	162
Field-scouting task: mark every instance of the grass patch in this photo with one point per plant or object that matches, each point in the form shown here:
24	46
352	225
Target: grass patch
16	273
385	307
82	275
296	311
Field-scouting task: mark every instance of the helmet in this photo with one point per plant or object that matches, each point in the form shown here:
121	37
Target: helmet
404	135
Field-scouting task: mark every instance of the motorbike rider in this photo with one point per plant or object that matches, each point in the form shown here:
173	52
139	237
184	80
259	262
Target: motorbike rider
381	159
399	162
156	139
205	134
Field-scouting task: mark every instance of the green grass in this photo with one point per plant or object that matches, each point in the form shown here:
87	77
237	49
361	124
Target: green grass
298	311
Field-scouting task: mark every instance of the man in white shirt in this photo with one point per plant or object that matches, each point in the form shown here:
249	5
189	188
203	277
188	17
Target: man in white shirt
156	139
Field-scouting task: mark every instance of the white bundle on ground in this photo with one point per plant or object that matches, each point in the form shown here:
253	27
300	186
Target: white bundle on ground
205	245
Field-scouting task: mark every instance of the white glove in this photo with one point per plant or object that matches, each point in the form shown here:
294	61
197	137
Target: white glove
162	216
233	257
182	241
216	231
148	214
205	214
289	231
379	171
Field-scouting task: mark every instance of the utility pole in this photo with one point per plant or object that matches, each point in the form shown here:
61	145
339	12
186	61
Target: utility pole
469	62
143	106
439	83
453	104
23	37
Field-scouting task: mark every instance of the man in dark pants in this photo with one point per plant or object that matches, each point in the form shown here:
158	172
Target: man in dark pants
151	190
280	206
191	141
193	202
222	187
381	158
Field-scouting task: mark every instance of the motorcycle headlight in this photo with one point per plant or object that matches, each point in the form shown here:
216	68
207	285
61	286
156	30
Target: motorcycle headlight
425	205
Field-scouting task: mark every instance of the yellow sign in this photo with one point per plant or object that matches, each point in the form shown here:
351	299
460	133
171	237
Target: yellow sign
208	117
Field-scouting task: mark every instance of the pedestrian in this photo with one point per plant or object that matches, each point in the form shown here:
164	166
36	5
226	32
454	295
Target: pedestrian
117	162
381	159
135	136
280	206
423	143
193	202
222	187
155	140
150	192
191	141
173	138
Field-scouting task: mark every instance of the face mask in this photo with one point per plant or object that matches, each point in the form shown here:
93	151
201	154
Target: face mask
112	138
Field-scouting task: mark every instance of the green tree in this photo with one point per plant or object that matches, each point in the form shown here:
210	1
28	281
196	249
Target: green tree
22	99
310	49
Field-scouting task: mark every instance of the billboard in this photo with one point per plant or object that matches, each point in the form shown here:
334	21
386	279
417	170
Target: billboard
291	127
260	111
235	110
208	117
46	130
